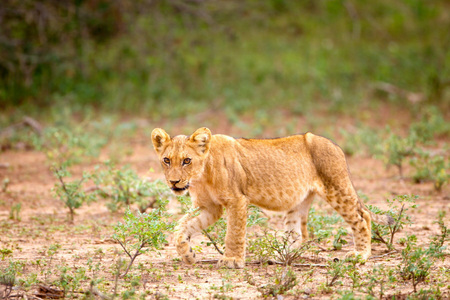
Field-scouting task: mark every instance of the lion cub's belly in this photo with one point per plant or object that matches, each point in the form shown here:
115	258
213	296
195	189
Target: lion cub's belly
277	199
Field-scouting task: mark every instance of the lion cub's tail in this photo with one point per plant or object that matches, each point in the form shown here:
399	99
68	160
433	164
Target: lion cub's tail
382	219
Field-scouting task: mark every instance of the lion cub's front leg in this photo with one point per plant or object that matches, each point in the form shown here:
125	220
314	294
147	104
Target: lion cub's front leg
234	257
189	225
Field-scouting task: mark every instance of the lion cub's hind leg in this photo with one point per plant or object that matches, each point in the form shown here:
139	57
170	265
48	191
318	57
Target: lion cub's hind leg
347	204
296	220
189	225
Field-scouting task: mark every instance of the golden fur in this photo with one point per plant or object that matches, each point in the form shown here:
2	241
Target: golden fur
282	174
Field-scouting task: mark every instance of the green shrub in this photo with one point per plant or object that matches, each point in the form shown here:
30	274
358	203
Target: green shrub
321	226
66	146
429	167
142	232
417	261
394	150
71	193
125	187
397	210
285	279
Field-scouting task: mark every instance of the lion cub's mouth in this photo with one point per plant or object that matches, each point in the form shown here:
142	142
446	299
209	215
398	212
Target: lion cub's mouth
177	189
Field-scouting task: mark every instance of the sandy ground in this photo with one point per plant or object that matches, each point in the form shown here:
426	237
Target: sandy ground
43	222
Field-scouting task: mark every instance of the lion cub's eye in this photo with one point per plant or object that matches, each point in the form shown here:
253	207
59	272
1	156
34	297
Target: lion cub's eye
166	161
186	161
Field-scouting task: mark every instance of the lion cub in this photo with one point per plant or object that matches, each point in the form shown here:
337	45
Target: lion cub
282	174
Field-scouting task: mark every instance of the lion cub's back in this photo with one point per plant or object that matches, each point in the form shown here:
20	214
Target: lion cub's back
279	171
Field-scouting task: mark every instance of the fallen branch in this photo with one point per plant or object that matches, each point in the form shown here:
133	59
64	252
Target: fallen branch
35	125
270	262
49	292
395	90
26	121
275	262
383	255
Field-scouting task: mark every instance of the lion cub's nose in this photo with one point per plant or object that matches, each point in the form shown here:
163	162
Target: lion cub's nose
173	182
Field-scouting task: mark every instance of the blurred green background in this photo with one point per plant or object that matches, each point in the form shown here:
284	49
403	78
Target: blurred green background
165	60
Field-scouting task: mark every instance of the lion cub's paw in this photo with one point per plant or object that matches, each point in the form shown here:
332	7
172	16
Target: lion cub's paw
360	256
186	252
231	263
189	258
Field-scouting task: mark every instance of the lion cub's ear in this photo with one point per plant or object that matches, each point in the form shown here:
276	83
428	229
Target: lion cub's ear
159	138
201	139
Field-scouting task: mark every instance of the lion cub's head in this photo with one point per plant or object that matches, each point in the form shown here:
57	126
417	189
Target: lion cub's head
182	157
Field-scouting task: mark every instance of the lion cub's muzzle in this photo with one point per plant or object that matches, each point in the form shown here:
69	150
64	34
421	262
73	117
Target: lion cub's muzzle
175	187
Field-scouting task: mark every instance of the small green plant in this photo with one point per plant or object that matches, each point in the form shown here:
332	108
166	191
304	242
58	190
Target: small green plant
68	145
429	167
50	254
354	273
339	241
142	230
70	280
431	124
360	140
395	149
71	193
437	244
285	279
417	261
14	213
281	249
7	281
376	279
321	225
5	184
124	187
5	252
335	271
397	210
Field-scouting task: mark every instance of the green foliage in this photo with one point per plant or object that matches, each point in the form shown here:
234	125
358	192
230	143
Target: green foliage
360	140
395	149
398	207
14	213
5	184
431	125
65	146
335	271
5	252
417	261
321	226
124	187
43	45
70	280
375	284
429	167
280	248
71	193
8	282
285	279
143	230
338	241
194	51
